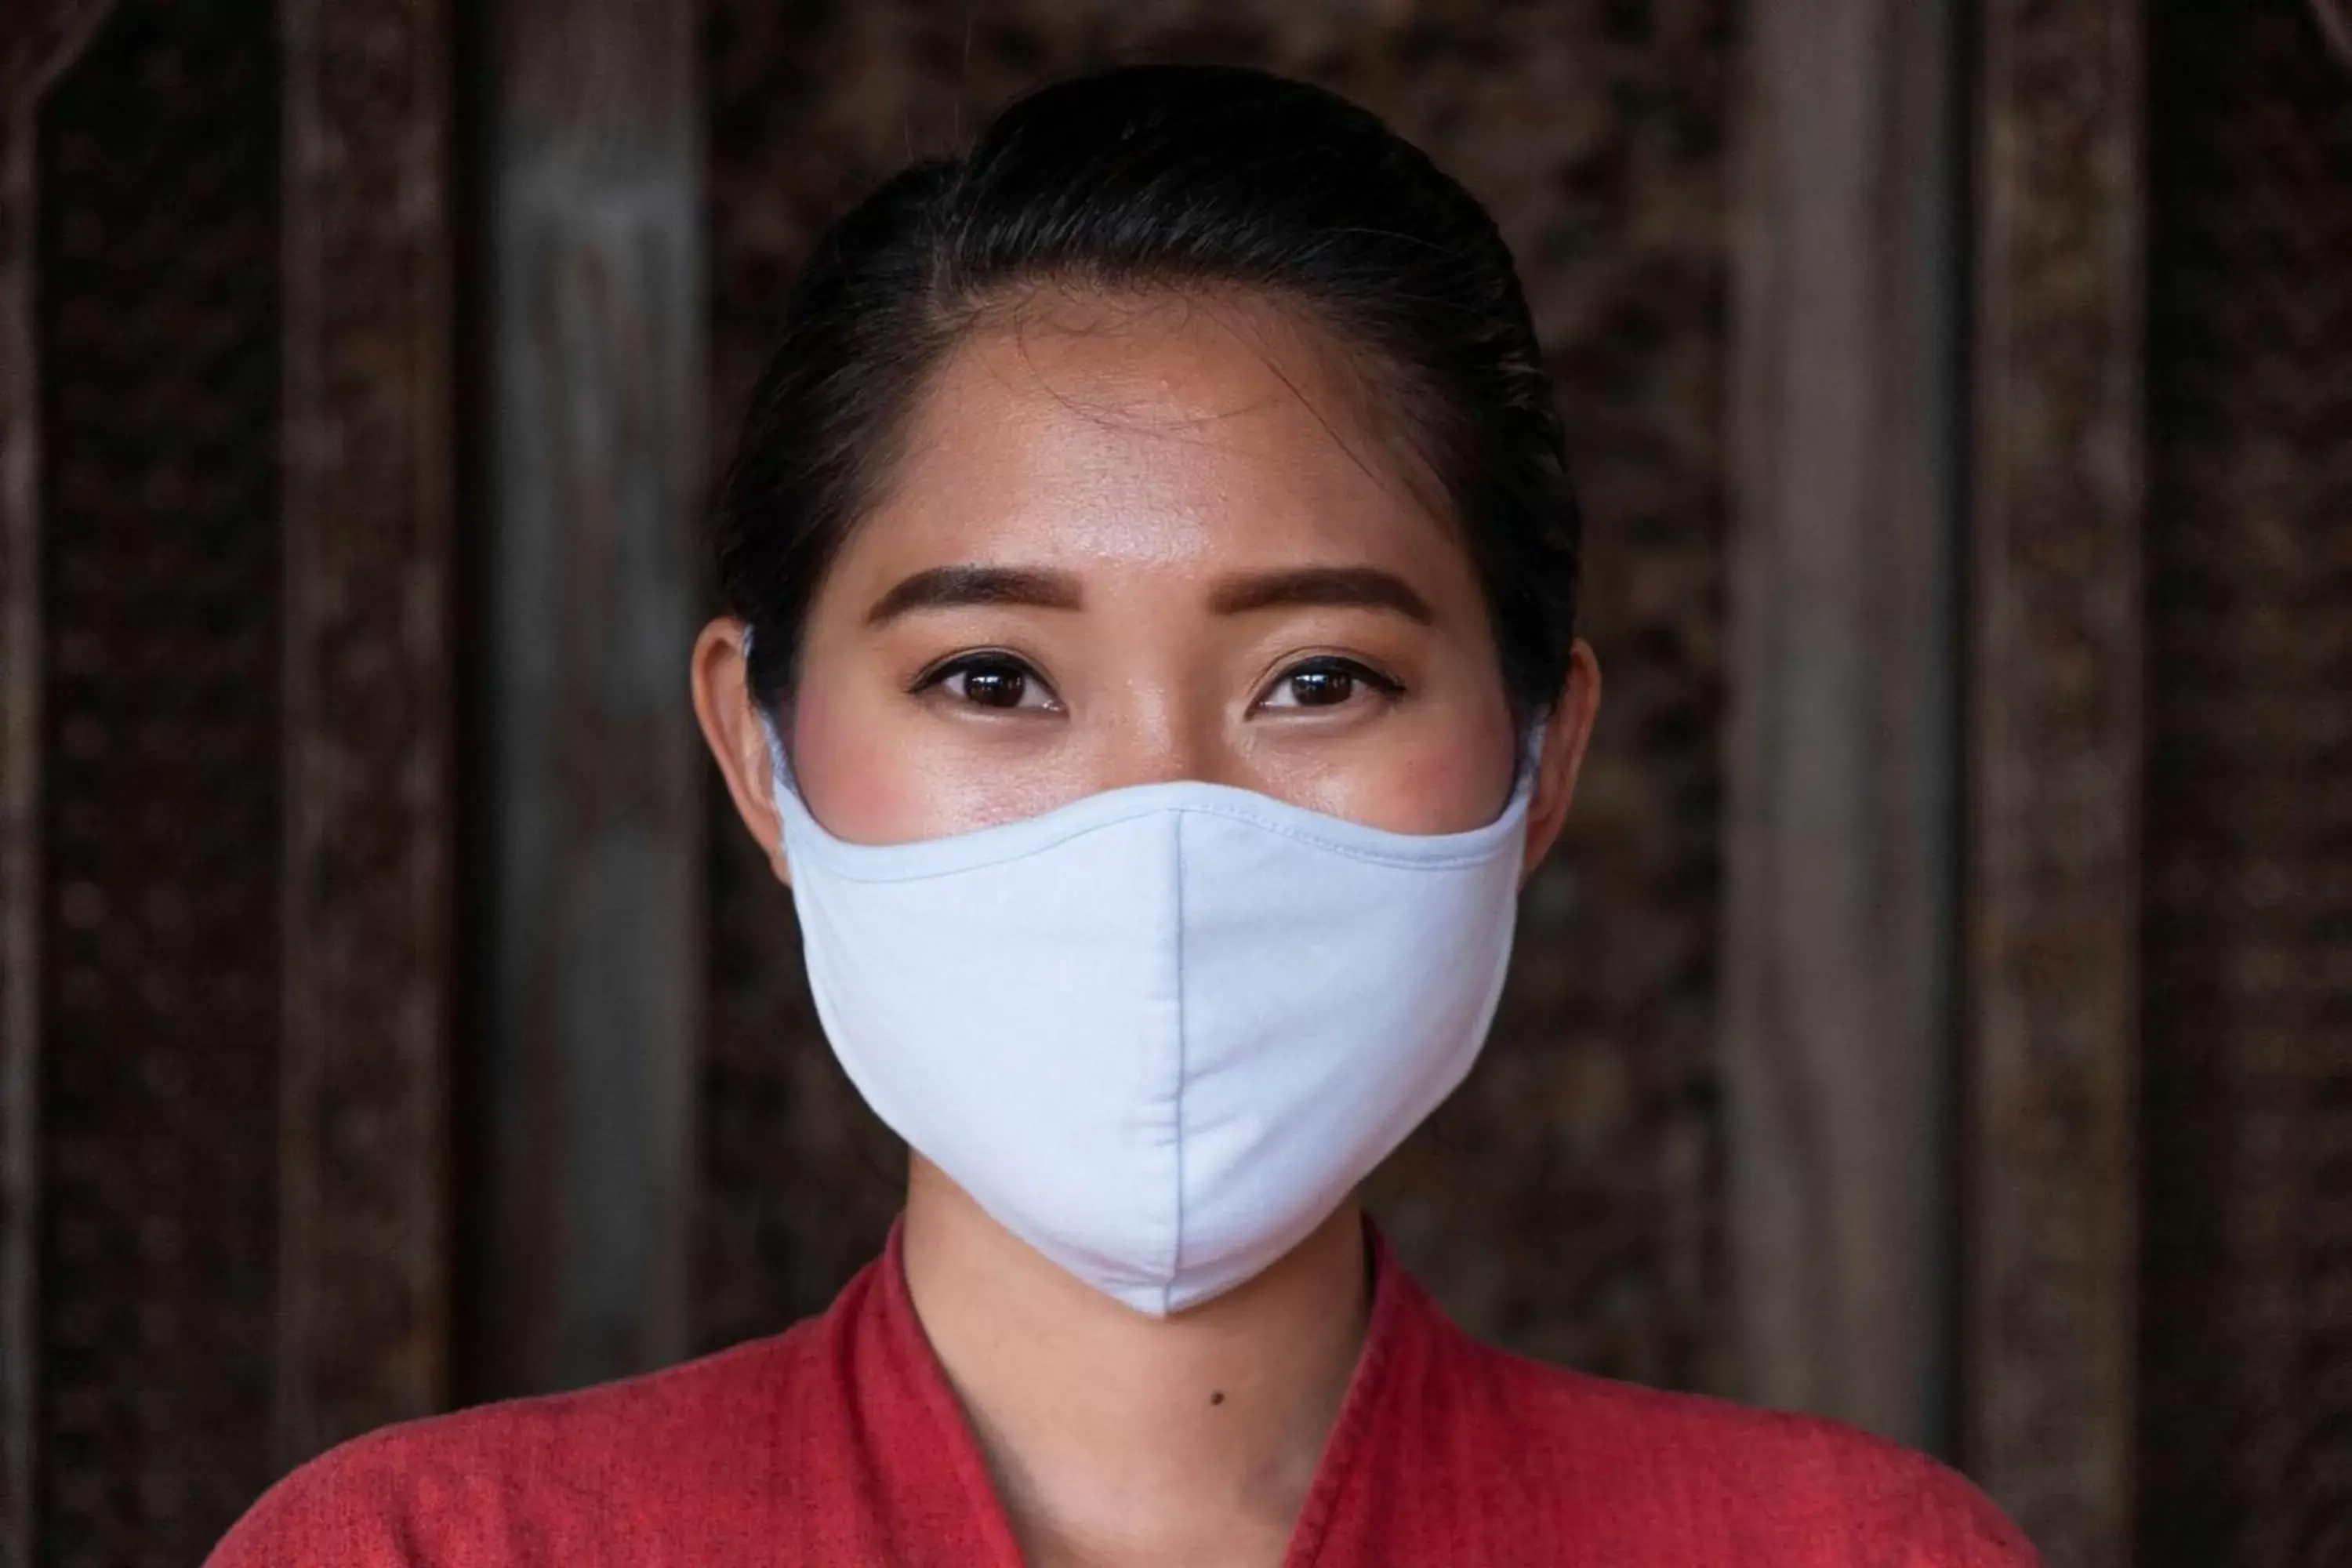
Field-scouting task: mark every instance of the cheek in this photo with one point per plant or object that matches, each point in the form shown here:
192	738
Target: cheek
849	773
875	770
1444	765
1447	789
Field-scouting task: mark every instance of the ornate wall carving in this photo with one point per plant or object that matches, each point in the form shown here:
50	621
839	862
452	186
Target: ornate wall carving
227	689
369	827
37	41
1562	1201
2050	960
161	746
2245	1448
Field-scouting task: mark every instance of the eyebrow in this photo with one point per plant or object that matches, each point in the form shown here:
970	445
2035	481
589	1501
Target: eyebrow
940	587
1368	586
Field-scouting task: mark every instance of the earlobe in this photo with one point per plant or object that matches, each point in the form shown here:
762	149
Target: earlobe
1565	739
732	729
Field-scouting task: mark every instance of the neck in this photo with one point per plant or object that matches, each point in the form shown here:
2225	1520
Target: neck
1113	1436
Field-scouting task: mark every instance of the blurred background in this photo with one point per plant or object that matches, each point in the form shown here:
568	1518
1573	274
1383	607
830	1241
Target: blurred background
1940	1013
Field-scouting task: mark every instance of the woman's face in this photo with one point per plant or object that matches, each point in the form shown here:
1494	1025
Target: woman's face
1129	542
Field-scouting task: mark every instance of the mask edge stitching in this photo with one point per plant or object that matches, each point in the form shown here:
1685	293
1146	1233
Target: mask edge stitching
829	848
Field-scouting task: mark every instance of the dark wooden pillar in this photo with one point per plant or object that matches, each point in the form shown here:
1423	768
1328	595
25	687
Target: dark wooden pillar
1841	829
593	329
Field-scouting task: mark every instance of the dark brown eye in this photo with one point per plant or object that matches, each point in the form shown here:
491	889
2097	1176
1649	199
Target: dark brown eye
1326	683
1321	687
991	681
994	688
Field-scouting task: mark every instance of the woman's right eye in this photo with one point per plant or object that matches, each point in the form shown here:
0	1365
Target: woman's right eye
991	681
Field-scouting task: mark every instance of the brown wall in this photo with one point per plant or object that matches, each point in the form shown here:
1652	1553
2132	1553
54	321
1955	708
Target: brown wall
356	925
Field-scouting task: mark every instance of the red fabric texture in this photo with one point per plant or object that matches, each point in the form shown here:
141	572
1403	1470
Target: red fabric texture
839	1441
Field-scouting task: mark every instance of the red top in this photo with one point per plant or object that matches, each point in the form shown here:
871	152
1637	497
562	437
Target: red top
839	1441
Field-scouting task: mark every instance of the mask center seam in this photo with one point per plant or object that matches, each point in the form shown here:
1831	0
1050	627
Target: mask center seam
1176	1269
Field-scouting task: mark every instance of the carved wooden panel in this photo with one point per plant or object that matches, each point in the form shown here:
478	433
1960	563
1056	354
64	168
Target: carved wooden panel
161	749
1563	1201
2246	1442
226	690
2052	772
38	42
369	824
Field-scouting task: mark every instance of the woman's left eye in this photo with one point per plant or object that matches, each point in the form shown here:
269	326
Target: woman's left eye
990	681
1325	683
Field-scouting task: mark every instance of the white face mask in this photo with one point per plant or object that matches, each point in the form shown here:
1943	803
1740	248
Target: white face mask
1161	1032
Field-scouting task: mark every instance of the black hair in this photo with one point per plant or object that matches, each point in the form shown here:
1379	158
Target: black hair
1146	178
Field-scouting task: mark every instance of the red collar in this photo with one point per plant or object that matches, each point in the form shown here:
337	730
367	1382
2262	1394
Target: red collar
1396	1324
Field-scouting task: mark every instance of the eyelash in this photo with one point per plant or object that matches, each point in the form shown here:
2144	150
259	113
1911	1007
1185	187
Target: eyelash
1322	664
1332	664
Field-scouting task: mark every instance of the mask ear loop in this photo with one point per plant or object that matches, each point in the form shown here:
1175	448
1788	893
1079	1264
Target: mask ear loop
780	771
1531	744
779	768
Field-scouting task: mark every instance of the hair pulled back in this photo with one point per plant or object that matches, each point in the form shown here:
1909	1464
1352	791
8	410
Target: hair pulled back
1146	178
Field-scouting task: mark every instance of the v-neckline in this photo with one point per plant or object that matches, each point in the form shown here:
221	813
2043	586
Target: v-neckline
1392	1295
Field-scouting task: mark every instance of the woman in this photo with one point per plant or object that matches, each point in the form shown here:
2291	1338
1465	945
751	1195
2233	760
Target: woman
1150	662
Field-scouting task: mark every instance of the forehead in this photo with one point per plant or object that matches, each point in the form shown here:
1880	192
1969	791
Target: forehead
1166	430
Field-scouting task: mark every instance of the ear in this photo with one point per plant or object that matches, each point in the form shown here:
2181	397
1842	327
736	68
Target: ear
720	679
1565	738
